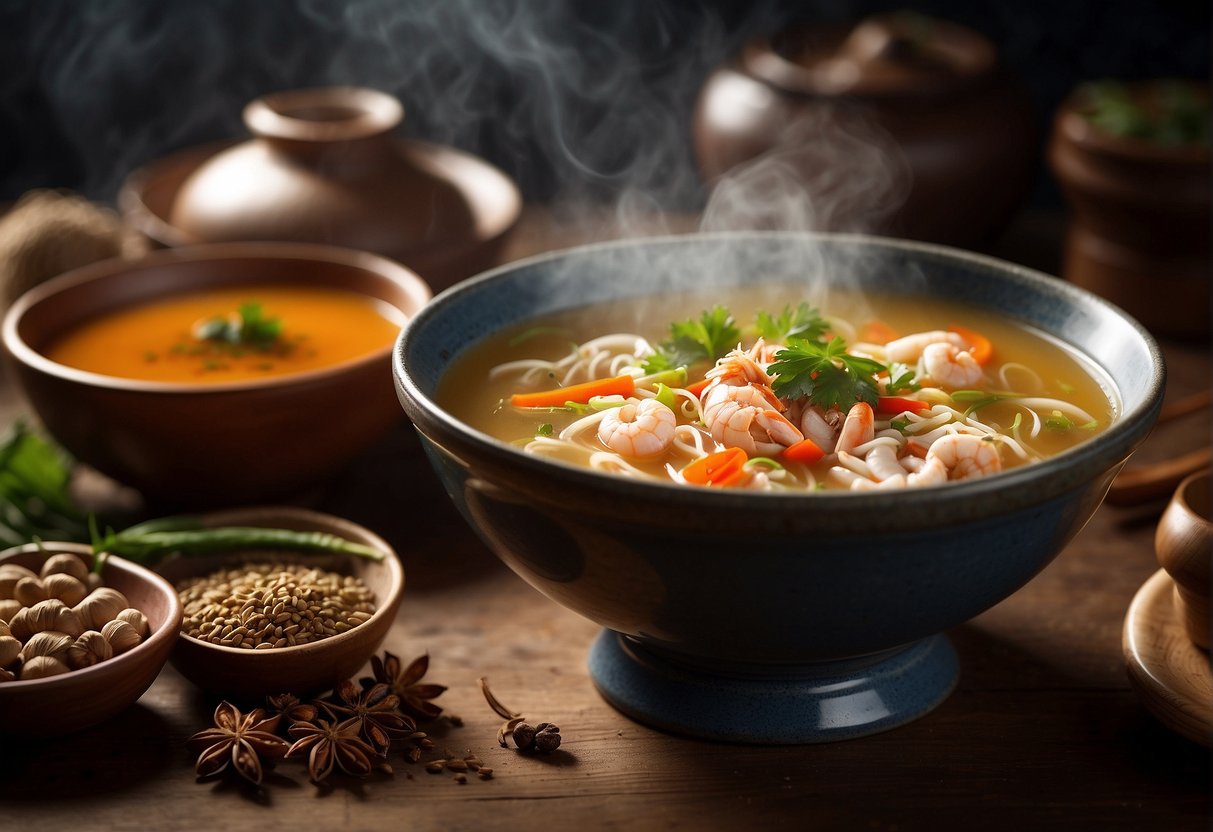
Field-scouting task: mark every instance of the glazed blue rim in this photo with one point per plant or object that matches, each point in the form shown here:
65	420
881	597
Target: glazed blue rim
1114	444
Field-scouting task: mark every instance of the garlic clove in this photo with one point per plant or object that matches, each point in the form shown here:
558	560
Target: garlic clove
66	588
40	667
4	628
67	620
43	615
136	619
10	648
29	591
47	643
65	564
89	649
101	606
10	573
121	636
8	608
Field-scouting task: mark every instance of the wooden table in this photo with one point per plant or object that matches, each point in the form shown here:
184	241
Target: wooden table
1043	731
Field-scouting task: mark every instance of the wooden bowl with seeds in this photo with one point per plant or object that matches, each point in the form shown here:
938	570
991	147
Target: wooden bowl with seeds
83	690
265	622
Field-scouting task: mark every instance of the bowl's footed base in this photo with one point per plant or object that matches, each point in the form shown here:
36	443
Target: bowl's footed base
829	702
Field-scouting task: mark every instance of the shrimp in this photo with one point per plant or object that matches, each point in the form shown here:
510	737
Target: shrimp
907	350
965	456
740	367
638	430
949	364
857	429
932	472
821	427
742	417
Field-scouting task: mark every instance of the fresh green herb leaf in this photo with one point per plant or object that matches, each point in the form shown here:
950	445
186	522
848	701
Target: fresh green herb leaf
1059	421
825	374
544	430
901	379
802	322
900	424
1091	425
249	326
706	338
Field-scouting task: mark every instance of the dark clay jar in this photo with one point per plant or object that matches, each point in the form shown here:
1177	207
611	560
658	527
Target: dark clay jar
1140	214
323	165
946	123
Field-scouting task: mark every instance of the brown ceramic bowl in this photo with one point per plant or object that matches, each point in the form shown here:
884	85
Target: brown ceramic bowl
72	701
306	668
196	444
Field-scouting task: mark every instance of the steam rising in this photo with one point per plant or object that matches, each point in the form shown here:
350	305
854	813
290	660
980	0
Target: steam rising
570	101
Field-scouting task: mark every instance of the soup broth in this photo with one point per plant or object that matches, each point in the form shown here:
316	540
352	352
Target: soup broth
953	392
229	335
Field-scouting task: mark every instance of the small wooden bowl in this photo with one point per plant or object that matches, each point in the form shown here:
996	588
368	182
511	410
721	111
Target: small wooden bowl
71	701
1183	543
303	669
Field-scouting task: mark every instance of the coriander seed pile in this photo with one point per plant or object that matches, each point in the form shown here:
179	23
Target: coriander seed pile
263	606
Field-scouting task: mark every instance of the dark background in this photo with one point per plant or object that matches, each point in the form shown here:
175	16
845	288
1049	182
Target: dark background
564	96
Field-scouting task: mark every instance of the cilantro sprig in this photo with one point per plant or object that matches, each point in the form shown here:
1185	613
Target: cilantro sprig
825	374
802	322
705	338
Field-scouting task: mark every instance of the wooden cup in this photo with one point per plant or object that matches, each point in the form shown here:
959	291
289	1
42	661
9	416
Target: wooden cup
1183	543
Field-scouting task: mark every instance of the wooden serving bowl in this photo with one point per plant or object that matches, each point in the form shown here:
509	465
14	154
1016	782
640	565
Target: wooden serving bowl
1184	546
303	669
210	445
71	701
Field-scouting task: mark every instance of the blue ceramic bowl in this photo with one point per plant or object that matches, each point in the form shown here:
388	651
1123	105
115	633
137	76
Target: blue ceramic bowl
759	617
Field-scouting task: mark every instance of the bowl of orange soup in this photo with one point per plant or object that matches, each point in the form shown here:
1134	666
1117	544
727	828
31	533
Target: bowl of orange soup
217	374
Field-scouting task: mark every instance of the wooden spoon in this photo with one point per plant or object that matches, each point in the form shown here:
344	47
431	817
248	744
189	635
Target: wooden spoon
1154	481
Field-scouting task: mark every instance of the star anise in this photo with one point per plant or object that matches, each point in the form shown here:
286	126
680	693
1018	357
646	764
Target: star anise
405	682
239	740
288	707
331	745
375	710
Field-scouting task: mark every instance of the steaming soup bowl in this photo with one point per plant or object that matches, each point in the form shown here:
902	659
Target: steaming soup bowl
772	617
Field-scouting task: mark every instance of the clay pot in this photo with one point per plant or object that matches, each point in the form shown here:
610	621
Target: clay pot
323	166
919	102
1140	215
1184	545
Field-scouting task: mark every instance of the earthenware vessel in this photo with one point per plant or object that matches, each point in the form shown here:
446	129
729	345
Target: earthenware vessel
72	701
1184	545
1140	213
323	165
199	444
771	617
302	669
923	102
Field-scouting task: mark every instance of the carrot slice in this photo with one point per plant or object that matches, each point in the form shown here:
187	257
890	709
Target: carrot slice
806	451
877	332
580	393
720	468
696	389
979	345
896	404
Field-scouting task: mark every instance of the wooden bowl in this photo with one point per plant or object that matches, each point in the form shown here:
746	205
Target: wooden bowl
210	445
72	701
303	669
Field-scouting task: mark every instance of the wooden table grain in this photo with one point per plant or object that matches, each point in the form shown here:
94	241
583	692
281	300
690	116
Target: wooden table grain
1043	731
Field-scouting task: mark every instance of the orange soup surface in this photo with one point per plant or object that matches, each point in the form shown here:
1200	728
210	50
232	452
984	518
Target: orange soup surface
227	335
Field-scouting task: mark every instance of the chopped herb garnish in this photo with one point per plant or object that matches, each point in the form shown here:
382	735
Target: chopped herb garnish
825	374
150	356
249	327
707	338
802	322
901	380
1059	421
900	424
544	430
